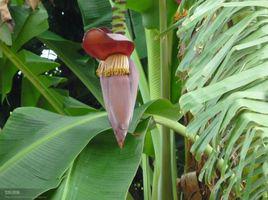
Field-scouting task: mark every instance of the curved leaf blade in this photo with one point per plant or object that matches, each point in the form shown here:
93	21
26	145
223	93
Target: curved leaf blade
49	140
102	170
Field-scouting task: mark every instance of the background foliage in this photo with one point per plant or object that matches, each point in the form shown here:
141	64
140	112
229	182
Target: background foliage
52	115
225	59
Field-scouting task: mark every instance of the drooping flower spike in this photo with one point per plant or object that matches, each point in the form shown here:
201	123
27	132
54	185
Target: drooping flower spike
118	76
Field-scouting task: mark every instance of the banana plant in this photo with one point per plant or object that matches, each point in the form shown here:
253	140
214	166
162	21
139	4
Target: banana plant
172	82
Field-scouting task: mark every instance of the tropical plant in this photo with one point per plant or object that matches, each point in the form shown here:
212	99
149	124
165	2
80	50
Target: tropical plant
57	142
227	93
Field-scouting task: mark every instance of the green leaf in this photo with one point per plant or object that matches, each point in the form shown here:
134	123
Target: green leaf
41	83
5	34
186	4
227	86
77	108
17	2
160	107
95	13
54	141
134	22
49	140
149	10
38	64
151	16
29	24
68	53
7	71
139	5
29	95
102	158
176	82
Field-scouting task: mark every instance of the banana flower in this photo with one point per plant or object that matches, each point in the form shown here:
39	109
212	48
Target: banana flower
118	76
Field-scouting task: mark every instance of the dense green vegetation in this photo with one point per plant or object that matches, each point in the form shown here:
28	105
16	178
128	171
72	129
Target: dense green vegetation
199	128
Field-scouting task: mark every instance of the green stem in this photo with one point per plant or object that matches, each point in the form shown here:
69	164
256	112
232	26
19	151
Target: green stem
153	52
174	172
165	186
181	130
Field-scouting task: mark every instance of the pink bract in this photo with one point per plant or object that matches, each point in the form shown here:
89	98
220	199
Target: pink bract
119	94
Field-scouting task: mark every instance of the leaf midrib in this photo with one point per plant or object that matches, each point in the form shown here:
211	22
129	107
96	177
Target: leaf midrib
32	77
67	182
47	137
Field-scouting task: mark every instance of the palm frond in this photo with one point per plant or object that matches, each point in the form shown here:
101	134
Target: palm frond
227	93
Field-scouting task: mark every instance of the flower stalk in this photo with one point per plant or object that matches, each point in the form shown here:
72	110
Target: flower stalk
118	20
